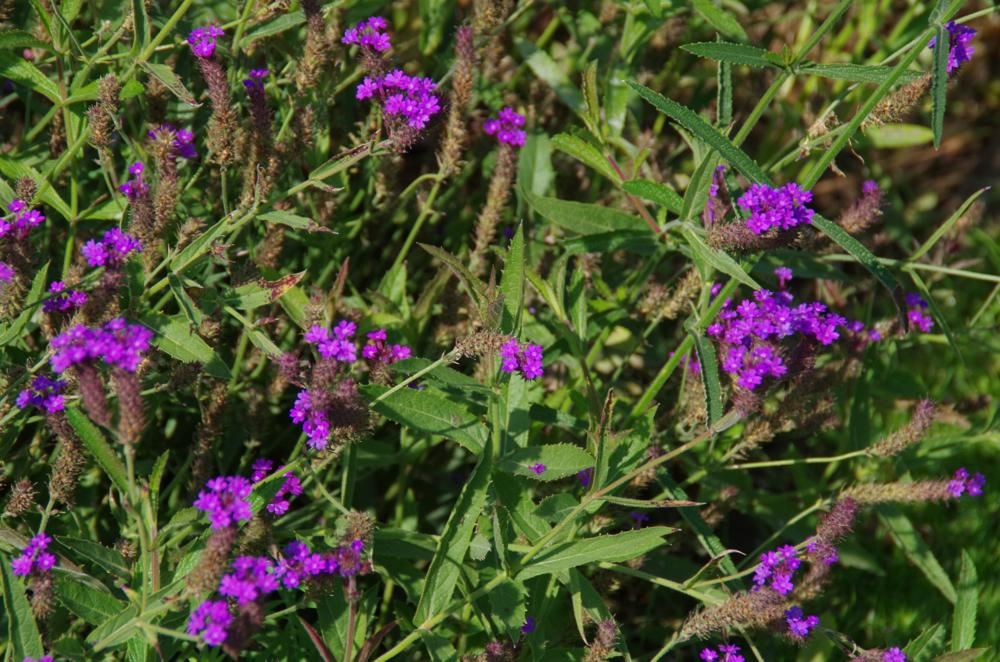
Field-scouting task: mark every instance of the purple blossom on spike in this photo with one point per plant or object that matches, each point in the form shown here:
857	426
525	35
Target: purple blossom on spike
784	276
78	344
523	357
782	208
313	420
537	468
776	569
378	350
210	620
338	344
251	578
112	250
203	40
7	272
256	79
585	476
409	98
21	222
961	483
291	488
35	559
800	625
894	655
124	344
224	500
135	188
45	393
182	140
917	312
723	653
369	34
64	300
506	127
959	47
529	625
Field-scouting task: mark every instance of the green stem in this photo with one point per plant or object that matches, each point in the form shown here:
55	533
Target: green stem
425	213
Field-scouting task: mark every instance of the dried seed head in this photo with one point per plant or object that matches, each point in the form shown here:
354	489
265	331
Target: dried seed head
240	633
222	126
317	48
131	408
66	469
21	500
896	442
358	526
480	343
746	609
865	211
835	525
213	563
92	393
456	130
895	107
209	428
42	595
25	188
496	200
923	490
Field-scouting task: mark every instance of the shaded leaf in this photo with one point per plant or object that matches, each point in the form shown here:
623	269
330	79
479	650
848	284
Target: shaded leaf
581	217
613	548
560	460
963	625
916	550
425	411
98	446
731	53
939	83
858	73
25	641
658	193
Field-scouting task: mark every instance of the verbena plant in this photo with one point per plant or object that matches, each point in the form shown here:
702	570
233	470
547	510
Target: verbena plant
361	331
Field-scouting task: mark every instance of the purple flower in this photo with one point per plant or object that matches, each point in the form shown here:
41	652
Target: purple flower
224	499
537	468
961	484
917	312
784	275
7	272
800	625
959	48
506	126
45	393
78	344
585	476
182	140
256	79
210	620
523	357
35	557
21	222
203	40
728	652
252	577
377	350
776	569
64	300
112	250
135	188
44	658
529	625
369	34
782	208
124	344
409	98
291	488
338	344
894	655
314	420
638	518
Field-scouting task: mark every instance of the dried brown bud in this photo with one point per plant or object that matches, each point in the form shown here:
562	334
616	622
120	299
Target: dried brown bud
22	498
131	408
894	107
456	131
496	200
896	442
747	609
213	562
923	490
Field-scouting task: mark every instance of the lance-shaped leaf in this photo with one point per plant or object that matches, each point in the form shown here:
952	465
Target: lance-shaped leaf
613	548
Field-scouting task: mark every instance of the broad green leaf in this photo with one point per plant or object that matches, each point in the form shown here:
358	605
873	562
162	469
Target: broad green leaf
576	302
443	574
717	259
658	193
534	165
947	225
15	170
425	411
858	73
89	553
968	655
262	292
719	18
613	548
898	136
581	217
479	547
275	26
90	604
512	284
587	153
98	446
175	337
731	53
704	131
508	601
916	550
14	331
10	39
543	66
641	242
923	646
591	108
939	83
293	221
545	290
709	375
442	375
555	507
560	460
514	498
25	639
23	72
119	628
166	75
963	624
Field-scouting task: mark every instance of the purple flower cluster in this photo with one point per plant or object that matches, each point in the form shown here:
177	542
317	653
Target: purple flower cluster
44	658
224	499
203	40
64	300
776	569
35	558
917	312
338	344
135	188
824	551
369	34
210	620
506	126
377	350
117	343
252	577
314	420
408	97
751	331
961	483
959	47
21	221
45	393
6	272
523	357
782	208
291	488
256	79
894	654
723	653
181	139
800	625
112	250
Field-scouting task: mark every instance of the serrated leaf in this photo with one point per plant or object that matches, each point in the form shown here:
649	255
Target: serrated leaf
10	39
275	26
591	107
962	656
857	73
14	331
717	259
613	548
581	217
512	284
658	193
583	151
23	72
90	604
174	336
26	641
430	413
939	83
899	136
262	292
166	75
731	53
472	285
922	647
709	366
507	602
293	221
98	446
555	507
443	574
718	18
94	553
963	624
576	302
15	170
652	503
560	460
479	547
916	550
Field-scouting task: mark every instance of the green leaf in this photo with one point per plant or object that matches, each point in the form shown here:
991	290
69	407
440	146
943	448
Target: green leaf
10	39
555	507
543	66
560	460
275	26
472	285
613	548
947	225
25	639
479	547
719	19
709	375
98	446
262	292
166	75
858	73
576	302
425	411
641	242
443	574
93	606
658	193
591	108
174	336
587	153
508	604
962	656
731	53
898	136
916	550
293	221
534	165
581	217
922	647
963	624
717	259
23	72
653	503
703	130
434	18
14	331
15	170
939	83
95	554
512	284
860	253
